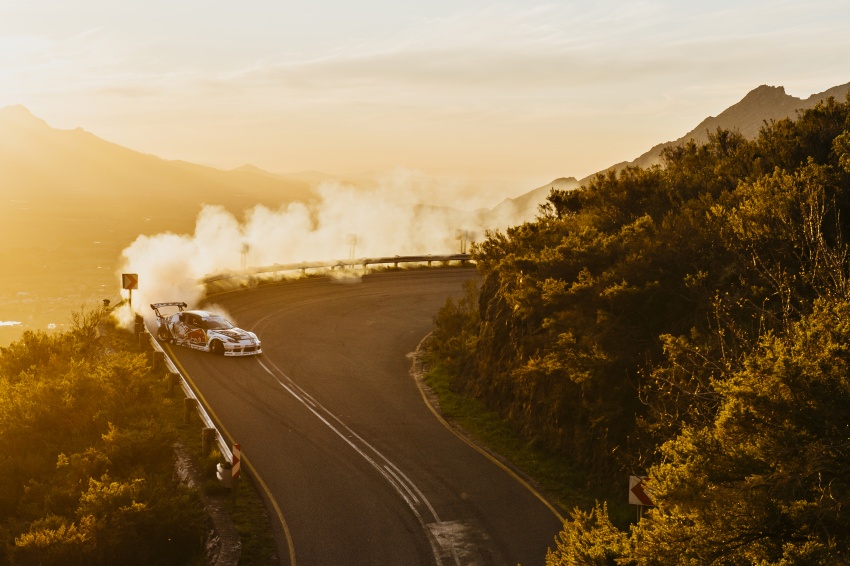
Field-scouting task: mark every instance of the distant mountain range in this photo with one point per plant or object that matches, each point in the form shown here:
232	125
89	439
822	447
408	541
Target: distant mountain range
761	105
51	178
72	182
70	202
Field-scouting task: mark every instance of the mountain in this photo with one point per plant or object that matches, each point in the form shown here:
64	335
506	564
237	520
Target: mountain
761	105
70	202
63	177
69	193
525	205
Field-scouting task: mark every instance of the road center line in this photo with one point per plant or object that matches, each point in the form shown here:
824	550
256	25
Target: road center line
400	482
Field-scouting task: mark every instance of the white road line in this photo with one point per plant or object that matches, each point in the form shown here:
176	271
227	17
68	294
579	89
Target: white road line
404	485
401	487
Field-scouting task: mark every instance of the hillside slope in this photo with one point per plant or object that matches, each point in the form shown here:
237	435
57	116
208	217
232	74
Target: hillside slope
53	180
761	105
72	201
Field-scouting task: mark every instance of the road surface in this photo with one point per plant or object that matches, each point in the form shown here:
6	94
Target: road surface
337	429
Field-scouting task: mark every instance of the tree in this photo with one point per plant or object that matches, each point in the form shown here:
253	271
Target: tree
589	539
768	481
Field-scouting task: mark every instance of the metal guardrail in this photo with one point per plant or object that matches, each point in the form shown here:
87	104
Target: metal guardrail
340	263
223	446
302	266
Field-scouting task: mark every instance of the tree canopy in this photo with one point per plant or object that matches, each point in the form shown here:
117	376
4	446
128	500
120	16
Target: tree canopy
687	321
86	470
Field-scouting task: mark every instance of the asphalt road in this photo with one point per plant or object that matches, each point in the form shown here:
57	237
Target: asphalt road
335	426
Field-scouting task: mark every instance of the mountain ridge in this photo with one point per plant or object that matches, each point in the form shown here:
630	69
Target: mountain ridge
761	105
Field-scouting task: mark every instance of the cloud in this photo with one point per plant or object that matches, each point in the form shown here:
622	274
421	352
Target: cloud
540	60
410	86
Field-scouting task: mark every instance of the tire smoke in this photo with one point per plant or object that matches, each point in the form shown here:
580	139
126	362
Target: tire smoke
405	214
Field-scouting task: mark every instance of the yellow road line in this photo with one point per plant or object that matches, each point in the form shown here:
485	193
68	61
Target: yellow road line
419	384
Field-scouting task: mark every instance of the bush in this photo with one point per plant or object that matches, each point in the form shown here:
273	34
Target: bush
91	480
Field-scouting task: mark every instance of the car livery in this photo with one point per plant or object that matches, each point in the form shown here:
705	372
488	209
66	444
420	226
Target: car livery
205	331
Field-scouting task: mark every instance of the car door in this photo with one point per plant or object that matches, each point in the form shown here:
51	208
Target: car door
195	333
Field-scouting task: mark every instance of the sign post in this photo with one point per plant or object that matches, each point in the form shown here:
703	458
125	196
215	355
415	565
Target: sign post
228	478
237	455
640	493
130	281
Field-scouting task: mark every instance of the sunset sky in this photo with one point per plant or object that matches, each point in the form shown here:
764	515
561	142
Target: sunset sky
510	91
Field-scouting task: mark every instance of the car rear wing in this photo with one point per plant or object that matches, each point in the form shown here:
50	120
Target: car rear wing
156	306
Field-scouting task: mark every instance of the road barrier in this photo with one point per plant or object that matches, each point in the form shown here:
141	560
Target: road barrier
339	264
147	342
192	398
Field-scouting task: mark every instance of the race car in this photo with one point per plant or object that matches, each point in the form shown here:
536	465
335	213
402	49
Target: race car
204	331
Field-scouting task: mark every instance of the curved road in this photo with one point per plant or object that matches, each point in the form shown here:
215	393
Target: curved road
335	426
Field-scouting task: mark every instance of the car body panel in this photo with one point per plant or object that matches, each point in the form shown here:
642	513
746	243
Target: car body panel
205	331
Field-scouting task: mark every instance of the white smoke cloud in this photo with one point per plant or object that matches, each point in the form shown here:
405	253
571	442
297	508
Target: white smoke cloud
399	216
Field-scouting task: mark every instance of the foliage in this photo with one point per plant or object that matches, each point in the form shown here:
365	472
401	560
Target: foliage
86	471
767	481
588	539
454	339
688	319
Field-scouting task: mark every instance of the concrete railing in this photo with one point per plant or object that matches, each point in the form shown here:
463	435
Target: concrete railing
338	264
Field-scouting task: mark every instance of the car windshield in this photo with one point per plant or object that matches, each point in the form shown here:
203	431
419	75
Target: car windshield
216	323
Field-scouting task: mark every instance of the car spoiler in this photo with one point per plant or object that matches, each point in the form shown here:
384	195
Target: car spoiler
156	306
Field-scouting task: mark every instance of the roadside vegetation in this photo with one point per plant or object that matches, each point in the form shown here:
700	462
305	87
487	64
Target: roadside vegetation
87	467
689	322
87	470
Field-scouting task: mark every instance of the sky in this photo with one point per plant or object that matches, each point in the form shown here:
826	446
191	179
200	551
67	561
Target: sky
509	94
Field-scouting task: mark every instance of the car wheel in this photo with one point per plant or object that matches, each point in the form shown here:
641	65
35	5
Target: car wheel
217	348
163	334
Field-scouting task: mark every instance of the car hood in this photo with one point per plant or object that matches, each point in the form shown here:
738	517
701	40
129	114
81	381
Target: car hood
234	333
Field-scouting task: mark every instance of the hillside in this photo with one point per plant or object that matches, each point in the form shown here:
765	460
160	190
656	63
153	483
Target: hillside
526	205
66	178
687	323
761	105
72	202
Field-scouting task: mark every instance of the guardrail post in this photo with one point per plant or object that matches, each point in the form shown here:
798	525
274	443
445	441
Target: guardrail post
189	406
139	326
145	342
207	439
158	361
173	380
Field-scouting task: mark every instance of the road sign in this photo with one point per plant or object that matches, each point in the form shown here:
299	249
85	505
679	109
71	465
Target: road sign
639	491
237	455
130	281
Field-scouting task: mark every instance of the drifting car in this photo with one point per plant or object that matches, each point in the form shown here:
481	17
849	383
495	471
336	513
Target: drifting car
204	331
